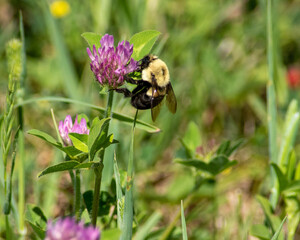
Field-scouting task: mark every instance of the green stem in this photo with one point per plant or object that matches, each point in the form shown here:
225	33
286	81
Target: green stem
21	180
271	100
8	229
99	168
130	164
96	197
72	176
21	144
170	228
77	200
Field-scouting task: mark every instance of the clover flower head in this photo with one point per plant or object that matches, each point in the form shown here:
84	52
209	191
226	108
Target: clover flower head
68	229
110	64
65	127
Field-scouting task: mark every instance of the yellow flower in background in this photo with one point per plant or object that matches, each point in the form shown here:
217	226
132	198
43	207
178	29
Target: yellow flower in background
59	9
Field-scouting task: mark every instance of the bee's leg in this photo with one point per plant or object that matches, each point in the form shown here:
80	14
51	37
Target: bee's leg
131	80
124	91
140	82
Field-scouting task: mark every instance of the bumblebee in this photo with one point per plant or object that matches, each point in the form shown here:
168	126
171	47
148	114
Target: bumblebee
152	88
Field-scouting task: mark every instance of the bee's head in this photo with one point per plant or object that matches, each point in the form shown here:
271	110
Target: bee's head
145	61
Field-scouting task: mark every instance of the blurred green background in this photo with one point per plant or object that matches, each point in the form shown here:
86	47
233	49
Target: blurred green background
216	53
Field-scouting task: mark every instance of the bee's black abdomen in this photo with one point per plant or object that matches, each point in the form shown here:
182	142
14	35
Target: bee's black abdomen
143	101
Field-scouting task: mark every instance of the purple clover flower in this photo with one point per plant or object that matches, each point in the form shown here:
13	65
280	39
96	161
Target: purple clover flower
69	229
66	127
110	64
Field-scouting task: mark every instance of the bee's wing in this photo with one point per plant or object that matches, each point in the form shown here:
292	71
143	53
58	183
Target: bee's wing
155	111
171	99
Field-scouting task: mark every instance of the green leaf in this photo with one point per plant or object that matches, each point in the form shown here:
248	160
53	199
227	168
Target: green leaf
86	165
234	147
105	202
272	220
290	132
292	109
85	216
37	230
143	43
292	161
111	234
297	172
223	148
226	149
74	154
183	224
276	235
37	220
88	200
145	229
292	187
220	163
35	214
44	136
81	116
215	166
282	181
69	165
79	141
72	151
92	39
191	139
118	116
200	165
109	140
260	231
97	136
292	210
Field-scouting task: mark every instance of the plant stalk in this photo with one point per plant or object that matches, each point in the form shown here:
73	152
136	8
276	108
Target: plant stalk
271	100
21	143
77	200
99	168
21	180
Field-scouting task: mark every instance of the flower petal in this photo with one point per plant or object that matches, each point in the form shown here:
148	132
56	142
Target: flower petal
110	64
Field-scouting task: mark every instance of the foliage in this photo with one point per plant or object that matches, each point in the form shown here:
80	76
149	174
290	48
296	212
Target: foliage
227	61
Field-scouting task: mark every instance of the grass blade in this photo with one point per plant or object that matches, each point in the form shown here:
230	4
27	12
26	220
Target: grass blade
120	197
184	232
271	98
118	116
290	131
272	220
146	228
128	206
276	235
